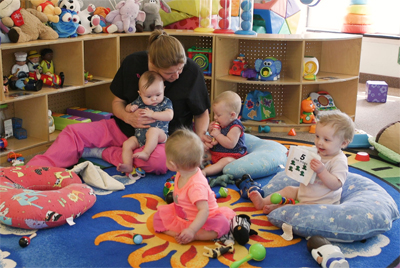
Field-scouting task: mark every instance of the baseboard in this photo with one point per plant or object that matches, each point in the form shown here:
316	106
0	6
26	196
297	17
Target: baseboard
390	80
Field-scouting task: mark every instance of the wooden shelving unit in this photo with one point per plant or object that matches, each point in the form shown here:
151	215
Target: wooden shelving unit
102	54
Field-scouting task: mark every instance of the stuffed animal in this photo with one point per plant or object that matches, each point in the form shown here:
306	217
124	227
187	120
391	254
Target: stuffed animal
125	15
88	22
4	33
104	26
26	24
246	185
326	254
73	5
48	8
68	24
239	230
153	18
268	69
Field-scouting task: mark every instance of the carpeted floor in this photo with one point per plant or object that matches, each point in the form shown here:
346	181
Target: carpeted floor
102	237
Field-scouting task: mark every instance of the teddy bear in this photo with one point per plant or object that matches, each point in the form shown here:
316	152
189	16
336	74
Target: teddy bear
125	15
104	27
49	8
25	24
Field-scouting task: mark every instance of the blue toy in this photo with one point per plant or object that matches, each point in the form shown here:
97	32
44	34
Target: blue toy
137	239
265	129
68	24
246	185
268	69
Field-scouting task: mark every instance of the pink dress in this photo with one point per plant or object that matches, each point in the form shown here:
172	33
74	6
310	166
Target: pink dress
178	215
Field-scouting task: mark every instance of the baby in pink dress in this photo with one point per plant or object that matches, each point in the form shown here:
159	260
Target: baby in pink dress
194	214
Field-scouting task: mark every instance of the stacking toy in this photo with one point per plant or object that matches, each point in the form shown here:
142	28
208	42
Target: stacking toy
257	252
25	241
277	198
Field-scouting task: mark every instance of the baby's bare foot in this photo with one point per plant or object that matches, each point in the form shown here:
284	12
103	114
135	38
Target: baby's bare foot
257	199
269	208
141	155
125	168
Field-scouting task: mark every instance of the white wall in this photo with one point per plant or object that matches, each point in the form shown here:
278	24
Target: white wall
379	56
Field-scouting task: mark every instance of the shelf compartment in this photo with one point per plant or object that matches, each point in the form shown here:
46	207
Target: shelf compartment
101	52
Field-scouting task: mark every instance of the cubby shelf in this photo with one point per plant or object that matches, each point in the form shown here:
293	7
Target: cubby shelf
102	54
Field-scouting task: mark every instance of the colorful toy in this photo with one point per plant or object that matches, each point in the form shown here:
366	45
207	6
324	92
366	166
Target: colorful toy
88	21
104	26
257	252
224	17
222	180
47	70
359	18
74	5
239	65
62	120
3	143
203	57
310	3
240	231
20	78
387	143
326	254
292	132
25	240
6	82
94	115
246	18
376	91
19	132
29	27
137	239
277	198
125	16
205	17
311	68
307	111
246	185
169	190
136	174
68	24
153	18
218	251
265	129
268	69
48	8
323	103
258	106
222	192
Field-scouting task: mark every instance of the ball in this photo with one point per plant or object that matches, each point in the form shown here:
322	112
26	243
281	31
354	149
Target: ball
137	239
204	23
223	24
223	13
276	198
246	5
246	15
205	12
246	25
224	3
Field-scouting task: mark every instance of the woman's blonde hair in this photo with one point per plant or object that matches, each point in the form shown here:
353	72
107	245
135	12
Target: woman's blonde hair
341	124
185	149
165	50
231	99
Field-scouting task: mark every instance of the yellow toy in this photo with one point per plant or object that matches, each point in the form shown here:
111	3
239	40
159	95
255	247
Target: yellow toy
49	8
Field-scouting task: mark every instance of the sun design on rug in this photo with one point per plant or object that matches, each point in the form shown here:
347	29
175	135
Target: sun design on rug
159	245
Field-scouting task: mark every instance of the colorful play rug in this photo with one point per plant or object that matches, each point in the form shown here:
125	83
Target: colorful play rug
103	236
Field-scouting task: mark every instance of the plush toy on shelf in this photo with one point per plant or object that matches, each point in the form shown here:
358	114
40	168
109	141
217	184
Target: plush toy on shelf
125	16
49	8
73	5
268	69
307	111
104	26
88	21
25	24
153	18
68	24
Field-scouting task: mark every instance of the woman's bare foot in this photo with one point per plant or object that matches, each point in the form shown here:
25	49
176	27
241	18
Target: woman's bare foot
125	168
269	208
257	199
141	155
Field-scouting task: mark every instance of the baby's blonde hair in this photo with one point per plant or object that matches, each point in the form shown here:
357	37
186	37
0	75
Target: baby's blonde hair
147	79
185	149
341	124
231	99
164	50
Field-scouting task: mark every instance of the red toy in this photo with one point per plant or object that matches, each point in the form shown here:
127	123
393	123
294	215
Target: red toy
306	111
3	143
25	241
239	65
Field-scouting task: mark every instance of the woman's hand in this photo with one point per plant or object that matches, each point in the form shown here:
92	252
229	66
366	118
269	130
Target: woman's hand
138	119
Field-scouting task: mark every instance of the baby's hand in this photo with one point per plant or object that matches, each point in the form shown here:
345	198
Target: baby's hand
147	112
317	166
215	132
131	108
186	236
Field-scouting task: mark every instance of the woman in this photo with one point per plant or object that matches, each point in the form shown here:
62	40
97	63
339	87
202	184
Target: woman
184	86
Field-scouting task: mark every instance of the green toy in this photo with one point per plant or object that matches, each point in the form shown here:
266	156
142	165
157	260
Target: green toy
256	252
222	180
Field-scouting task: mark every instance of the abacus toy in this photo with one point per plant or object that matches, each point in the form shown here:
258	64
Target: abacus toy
203	57
224	17
62	120
94	115
246	18
277	198
205	17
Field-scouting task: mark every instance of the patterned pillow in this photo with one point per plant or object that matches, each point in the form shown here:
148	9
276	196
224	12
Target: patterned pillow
366	210
263	159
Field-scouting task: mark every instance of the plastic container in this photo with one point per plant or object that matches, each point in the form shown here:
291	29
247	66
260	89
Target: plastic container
205	15
225	17
246	18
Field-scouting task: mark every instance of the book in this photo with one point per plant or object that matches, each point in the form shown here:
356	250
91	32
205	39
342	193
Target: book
298	164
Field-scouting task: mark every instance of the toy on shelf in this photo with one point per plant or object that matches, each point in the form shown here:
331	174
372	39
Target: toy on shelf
25	240
323	103
239	65
203	57
258	106
88	76
19	132
94	115
246	185
3	143
246	18
257	252
265	129
307	111
152	19
52	127
88	21
20	78
68	24
62	120
268	69
359	18
326	254
224	17
126	15
311	68
218	251
277	198
48	76
205	15
104	26
6	82
48	8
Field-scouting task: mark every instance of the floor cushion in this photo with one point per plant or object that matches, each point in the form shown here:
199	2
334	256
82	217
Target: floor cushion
42	197
264	158
366	210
